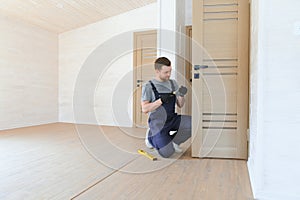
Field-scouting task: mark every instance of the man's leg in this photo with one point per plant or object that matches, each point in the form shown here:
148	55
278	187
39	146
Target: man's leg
167	150
184	131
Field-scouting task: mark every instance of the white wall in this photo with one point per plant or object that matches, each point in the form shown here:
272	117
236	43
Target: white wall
93	47
167	30
180	41
28	75
171	35
274	160
188	12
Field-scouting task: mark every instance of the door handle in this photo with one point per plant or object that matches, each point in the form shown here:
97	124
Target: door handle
197	67
139	81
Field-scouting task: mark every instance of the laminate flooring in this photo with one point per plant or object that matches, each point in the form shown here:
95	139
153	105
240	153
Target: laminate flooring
68	161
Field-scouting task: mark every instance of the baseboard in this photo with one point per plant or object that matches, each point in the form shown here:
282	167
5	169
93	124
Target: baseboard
26	125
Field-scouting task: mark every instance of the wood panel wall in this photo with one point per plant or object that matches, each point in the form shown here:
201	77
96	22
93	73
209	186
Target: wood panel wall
76	47
28	75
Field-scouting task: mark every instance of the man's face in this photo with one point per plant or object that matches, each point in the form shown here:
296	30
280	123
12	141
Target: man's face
165	73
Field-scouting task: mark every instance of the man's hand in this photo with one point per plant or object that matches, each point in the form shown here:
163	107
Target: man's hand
182	91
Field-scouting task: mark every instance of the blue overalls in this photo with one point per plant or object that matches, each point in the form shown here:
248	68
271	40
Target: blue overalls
163	120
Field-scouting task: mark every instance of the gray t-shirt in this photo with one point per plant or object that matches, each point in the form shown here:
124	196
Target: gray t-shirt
162	87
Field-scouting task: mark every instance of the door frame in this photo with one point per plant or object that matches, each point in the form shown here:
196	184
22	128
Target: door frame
188	66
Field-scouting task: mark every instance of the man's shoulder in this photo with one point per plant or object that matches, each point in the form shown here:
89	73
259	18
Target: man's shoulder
164	82
147	84
157	83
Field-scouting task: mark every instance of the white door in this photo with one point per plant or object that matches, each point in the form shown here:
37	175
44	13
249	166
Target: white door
220	78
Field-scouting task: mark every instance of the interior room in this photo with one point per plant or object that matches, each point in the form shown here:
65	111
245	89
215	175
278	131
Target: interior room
71	78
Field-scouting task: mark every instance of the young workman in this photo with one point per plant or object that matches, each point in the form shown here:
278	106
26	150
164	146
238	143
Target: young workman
159	98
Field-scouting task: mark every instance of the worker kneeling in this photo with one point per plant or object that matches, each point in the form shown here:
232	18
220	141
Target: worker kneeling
159	97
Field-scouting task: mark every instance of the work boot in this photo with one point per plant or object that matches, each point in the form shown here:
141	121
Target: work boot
147	143
177	148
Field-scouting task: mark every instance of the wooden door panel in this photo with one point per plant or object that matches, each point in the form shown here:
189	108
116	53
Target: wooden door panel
221	63
216	15
224	4
219	152
220	70
144	57
220	27
220	84
220	138
212	104
220	124
219	116
220	2
220	38
220	8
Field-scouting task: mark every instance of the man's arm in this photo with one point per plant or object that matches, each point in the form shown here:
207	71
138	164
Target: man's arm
180	101
180	98
148	107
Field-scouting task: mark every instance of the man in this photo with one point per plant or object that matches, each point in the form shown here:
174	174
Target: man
159	96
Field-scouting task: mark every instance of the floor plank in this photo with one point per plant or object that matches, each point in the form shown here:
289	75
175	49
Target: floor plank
65	161
45	162
183	179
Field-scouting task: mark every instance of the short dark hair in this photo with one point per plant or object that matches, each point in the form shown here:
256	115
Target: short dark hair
162	61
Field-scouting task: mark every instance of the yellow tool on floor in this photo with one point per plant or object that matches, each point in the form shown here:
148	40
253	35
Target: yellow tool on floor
144	153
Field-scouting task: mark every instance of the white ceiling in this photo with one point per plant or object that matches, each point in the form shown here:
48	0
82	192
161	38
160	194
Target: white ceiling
62	15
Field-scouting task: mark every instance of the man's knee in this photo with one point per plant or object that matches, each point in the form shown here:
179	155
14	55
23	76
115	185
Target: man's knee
167	151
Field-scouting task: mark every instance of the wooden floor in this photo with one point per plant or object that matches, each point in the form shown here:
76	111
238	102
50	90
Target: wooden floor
66	161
